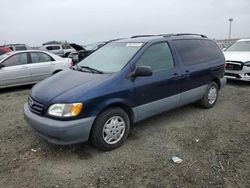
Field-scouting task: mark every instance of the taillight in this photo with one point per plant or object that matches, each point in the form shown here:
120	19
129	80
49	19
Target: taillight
225	65
72	63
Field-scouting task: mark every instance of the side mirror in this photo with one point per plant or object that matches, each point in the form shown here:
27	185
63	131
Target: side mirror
1	65
142	71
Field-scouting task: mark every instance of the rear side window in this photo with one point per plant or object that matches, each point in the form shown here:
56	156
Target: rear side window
37	57
197	51
18	48
17	59
53	47
158	57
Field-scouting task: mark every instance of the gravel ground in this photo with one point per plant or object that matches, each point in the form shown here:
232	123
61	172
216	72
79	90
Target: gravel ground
213	143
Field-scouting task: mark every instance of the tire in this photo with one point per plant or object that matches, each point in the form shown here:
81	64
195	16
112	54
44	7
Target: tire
210	97
110	129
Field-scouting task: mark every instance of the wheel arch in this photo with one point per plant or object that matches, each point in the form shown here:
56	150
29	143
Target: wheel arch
217	81
121	105
56	71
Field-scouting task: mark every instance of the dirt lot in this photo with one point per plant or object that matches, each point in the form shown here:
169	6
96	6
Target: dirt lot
214	146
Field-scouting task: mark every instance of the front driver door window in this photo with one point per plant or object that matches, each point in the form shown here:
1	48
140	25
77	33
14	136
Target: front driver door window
15	71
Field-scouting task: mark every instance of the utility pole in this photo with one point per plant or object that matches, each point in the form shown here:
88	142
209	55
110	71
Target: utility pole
230	27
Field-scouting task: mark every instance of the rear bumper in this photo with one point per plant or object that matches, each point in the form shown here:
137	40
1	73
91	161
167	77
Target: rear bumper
59	132
223	82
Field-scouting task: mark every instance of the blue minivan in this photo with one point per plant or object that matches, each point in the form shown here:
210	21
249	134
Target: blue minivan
124	82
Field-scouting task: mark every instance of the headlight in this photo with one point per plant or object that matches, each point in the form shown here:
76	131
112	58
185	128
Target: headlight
247	64
65	110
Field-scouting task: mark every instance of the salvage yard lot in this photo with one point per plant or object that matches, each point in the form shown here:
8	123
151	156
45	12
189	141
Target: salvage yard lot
213	143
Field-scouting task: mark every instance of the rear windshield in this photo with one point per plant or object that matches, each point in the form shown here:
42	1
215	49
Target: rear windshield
239	46
111	57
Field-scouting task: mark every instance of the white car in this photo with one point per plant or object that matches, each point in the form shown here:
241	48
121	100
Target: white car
29	66
58	49
238	60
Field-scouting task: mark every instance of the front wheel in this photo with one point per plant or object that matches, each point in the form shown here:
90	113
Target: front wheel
110	129
210	97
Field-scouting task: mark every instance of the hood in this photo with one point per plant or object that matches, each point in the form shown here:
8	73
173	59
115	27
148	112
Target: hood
77	47
237	56
62	82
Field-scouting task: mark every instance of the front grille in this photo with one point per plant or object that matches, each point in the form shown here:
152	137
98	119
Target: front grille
234	65
36	107
233	75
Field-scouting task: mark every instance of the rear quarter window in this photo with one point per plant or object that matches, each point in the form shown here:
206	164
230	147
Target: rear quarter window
195	51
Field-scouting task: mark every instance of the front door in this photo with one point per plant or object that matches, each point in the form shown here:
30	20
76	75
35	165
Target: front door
161	91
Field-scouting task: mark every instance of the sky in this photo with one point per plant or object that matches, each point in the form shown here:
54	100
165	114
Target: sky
34	22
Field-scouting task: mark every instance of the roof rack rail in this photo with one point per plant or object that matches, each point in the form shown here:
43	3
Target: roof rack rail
183	34
170	35
137	36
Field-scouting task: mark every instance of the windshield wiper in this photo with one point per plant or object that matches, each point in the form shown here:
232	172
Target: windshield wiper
91	69
76	67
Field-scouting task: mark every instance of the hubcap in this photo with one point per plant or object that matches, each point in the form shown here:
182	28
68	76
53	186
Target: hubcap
212	95
113	130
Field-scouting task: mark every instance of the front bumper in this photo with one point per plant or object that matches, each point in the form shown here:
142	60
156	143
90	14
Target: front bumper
243	74
59	132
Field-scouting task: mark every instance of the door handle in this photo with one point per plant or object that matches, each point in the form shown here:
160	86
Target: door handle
24	67
175	76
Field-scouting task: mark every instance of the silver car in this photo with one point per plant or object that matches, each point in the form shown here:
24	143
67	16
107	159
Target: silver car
29	66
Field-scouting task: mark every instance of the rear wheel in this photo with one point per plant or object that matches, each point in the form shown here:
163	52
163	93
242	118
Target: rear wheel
210	97
110	129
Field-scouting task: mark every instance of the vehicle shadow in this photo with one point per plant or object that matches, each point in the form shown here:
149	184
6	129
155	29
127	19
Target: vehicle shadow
15	89
238	83
86	151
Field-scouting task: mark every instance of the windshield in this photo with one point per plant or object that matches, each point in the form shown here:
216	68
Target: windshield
239	46
112	57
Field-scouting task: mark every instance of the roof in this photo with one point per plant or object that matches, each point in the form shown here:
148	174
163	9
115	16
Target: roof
15	45
25	51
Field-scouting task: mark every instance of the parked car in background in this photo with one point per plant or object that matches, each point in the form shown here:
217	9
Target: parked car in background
17	47
79	54
84	51
238	60
30	66
122	83
4	50
58	49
